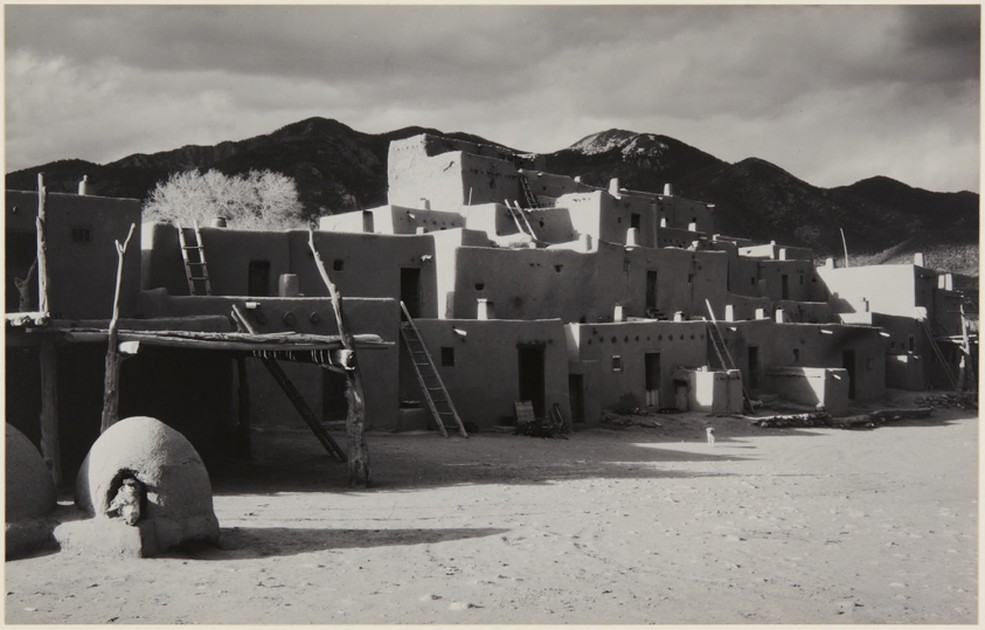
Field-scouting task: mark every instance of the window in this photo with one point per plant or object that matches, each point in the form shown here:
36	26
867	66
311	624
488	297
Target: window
81	233
616	363
447	356
625	265
911	343
796	355
338	264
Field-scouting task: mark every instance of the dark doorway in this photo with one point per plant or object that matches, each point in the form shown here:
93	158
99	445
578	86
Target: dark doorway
530	364
334	404
258	282
368	225
634	220
410	290
753	367
785	287
652	378
651	290
576	397
848	362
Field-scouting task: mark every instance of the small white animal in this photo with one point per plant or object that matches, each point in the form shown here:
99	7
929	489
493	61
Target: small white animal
710	432
126	503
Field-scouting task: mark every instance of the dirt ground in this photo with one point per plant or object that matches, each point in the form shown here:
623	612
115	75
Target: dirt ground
640	525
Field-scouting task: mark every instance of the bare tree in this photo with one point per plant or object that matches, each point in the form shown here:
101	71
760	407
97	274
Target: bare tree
259	200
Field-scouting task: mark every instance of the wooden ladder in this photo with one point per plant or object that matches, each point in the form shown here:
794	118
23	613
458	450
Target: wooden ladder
528	194
439	402
518	214
724	356
940	355
193	253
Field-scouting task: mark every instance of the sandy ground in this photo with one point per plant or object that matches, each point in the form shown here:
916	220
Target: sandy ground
642	525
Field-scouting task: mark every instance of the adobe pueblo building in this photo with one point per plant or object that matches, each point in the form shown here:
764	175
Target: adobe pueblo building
483	282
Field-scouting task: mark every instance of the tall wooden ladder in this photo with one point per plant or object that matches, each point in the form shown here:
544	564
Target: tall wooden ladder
724	356
193	253
940	355
439	402
529	197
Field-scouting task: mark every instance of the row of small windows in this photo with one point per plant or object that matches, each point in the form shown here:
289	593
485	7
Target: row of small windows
637	338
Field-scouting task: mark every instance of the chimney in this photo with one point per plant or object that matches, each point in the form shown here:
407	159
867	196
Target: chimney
678	316
219	222
760	313
288	285
617	314
484	309
829	263
614	186
692	226
668	190
577	179
948	282
780	316
783	253
663	221
84	185
729	313
632	237
918	259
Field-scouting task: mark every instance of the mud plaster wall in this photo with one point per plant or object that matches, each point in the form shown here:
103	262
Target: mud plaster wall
890	289
552	225
412	174
81	253
552	186
680	344
680	213
812	386
492	218
816	348
391	220
487	179
802	281
484	380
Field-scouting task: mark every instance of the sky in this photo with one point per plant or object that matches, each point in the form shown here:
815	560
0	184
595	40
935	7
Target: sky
832	94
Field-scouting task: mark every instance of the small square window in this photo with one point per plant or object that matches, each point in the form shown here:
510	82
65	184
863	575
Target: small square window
616	363
81	234
625	265
338	264
447	356
796	355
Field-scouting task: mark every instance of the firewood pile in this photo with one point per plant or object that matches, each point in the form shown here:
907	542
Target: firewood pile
967	400
824	419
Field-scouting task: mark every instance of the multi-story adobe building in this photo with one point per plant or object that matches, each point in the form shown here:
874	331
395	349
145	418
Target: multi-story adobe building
524	286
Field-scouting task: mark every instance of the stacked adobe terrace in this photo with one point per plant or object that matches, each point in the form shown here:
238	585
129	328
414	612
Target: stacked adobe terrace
586	298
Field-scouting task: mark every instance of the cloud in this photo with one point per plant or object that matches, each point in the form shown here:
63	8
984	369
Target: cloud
734	81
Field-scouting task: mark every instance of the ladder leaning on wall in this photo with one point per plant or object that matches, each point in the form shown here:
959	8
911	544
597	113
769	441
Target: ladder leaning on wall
193	254
439	402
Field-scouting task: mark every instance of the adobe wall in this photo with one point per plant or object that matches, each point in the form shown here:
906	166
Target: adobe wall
391	220
412	174
81	232
681	212
550	186
809	345
576	286
890	289
484	380
772	251
827	387
802	281
610	382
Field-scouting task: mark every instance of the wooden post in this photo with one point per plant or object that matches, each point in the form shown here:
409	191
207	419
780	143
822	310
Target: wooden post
50	447
111	386
42	256
354	396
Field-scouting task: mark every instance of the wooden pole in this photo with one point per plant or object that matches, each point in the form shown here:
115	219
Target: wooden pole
111	386
50	447
354	394
42	256
844	244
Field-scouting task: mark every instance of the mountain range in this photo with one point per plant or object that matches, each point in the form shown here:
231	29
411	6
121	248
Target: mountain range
338	169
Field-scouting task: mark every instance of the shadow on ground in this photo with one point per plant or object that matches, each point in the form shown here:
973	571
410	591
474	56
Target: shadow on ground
247	543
